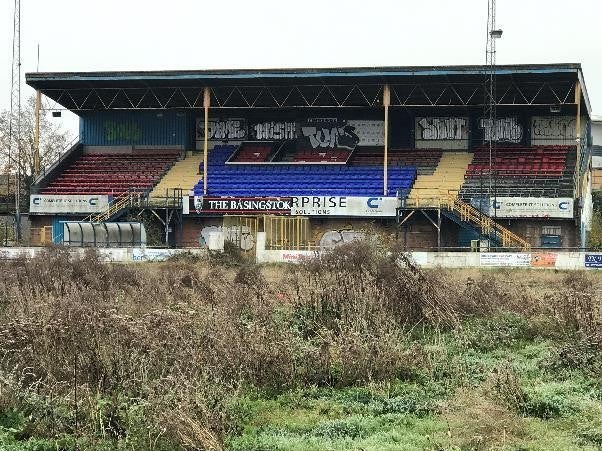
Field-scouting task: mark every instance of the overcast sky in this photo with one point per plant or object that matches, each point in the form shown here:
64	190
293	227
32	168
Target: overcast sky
90	35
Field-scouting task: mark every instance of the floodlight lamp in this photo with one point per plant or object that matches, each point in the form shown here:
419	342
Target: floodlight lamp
56	114
554	108
496	34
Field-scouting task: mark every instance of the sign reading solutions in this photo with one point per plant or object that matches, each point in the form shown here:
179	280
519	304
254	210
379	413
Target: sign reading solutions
295	206
61	203
344	206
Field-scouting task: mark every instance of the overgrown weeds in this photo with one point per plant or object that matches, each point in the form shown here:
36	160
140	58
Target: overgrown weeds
155	356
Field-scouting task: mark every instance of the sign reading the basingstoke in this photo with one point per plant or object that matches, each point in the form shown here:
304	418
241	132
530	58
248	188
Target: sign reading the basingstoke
61	203
344	206
240	205
531	207
593	260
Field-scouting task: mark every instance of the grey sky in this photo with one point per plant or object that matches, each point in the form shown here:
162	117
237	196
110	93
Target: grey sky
76	35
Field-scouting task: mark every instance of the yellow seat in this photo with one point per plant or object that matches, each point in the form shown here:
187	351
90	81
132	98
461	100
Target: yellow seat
446	180
182	176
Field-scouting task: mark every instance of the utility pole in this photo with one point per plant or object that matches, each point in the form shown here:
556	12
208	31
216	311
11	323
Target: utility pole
14	128
490	113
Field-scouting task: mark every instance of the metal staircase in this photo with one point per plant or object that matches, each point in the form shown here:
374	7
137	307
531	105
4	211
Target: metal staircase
466	215
116	207
485	224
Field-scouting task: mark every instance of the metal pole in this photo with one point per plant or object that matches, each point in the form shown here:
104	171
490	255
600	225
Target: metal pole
386	102
36	134
439	229
15	101
206	102
578	135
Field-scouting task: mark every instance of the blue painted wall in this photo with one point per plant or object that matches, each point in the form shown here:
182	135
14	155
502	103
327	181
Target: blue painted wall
117	128
57	228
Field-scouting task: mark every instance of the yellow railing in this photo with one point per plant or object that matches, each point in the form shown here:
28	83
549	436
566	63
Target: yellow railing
450	201
287	232
488	226
131	200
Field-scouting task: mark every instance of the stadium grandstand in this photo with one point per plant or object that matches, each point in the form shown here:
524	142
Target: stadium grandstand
312	157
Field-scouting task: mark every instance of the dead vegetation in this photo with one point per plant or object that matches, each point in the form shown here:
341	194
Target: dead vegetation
151	356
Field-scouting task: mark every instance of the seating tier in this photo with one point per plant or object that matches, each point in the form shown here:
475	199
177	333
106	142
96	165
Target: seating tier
112	174
298	179
518	171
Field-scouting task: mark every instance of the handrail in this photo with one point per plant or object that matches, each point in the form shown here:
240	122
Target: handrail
61	155
449	200
137	200
130	200
468	213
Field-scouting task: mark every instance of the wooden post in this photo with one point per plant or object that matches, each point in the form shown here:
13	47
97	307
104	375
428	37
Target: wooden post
206	102
386	102
36	133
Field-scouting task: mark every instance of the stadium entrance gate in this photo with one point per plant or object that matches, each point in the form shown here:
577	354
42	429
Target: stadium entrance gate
282	232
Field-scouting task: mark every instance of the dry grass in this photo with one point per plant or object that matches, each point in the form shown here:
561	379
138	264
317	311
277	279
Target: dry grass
152	355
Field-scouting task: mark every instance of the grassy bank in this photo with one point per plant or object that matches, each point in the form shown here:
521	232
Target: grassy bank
349	351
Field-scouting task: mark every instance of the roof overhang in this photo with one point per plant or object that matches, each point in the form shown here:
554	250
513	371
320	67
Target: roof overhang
93	90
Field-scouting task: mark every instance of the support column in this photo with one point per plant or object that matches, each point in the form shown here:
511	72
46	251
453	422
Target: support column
578	135
386	103
439	229
206	103
36	133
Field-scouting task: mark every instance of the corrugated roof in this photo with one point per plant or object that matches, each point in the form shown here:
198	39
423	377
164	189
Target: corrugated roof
178	78
387	71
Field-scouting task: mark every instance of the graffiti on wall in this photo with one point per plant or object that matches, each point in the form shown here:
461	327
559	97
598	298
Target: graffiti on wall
553	127
334	238
222	129
274	130
118	131
329	133
442	128
243	235
506	129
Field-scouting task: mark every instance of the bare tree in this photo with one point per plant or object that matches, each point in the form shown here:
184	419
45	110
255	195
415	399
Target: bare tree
53	139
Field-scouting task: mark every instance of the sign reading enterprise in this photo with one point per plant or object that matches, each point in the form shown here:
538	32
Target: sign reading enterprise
295	206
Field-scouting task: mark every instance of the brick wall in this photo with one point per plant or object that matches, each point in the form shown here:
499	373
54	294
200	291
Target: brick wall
532	229
190	235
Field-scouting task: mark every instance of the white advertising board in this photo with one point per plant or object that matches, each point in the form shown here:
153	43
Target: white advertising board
532	207
370	133
152	255
441	132
505	259
344	206
553	130
61	203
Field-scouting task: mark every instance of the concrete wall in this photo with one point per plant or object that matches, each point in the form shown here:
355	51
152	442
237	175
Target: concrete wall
130	254
538	260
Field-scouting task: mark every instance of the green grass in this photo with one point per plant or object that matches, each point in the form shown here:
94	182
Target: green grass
449	406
